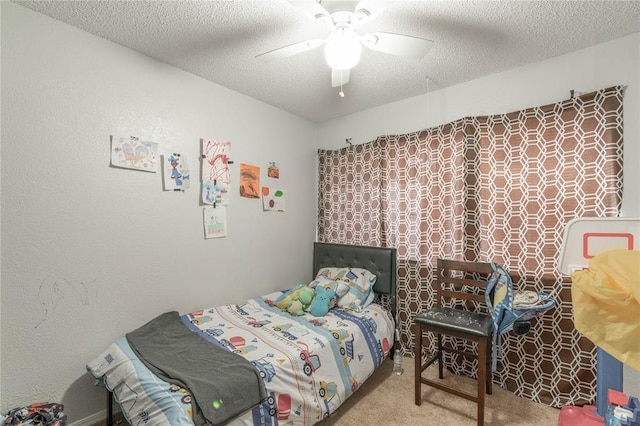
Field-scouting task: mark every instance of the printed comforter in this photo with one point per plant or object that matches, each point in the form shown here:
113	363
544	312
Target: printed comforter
309	365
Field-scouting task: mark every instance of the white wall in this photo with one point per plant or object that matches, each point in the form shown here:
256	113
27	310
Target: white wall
90	252
550	81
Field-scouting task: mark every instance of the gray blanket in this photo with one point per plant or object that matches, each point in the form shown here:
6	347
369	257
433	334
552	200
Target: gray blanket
223	384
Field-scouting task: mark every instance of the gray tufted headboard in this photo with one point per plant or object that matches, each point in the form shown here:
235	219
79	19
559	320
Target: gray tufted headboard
378	260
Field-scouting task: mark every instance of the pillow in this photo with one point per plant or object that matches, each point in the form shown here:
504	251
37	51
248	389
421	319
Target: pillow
360	282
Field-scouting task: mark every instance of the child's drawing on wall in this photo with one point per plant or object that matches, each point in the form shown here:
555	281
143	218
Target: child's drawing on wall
176	172
215	222
273	171
132	153
215	193
216	177
272	199
249	181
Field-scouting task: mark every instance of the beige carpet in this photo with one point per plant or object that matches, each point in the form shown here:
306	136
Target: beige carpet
387	399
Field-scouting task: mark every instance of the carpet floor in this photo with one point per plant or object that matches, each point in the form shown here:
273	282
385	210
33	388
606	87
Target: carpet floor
386	399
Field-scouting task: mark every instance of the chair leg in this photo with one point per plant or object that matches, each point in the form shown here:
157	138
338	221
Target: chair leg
440	363
417	359
482	378
489	368
109	408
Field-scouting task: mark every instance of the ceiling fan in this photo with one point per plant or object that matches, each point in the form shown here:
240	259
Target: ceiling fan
343	44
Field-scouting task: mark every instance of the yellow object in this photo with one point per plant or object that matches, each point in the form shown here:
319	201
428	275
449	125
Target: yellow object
606	304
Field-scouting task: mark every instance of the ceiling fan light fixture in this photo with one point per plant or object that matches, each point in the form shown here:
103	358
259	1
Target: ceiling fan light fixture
342	51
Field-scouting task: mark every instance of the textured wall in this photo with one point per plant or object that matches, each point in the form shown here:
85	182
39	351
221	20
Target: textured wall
89	251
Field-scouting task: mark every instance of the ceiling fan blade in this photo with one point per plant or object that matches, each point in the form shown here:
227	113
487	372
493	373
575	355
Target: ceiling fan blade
366	10
333	6
292	49
398	44
339	77
312	8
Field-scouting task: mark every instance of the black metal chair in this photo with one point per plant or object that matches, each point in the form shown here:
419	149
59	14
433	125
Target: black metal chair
465	282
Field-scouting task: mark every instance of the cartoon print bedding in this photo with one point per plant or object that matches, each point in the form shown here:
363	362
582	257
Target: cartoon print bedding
309	365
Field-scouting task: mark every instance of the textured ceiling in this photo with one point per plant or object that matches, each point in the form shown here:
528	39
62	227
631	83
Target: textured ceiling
218	41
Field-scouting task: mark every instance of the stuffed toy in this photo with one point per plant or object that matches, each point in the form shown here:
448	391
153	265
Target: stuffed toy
306	296
320	305
285	299
296	308
296	301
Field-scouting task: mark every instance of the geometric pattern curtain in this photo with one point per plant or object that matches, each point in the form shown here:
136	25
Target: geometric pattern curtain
350	177
536	169
494	188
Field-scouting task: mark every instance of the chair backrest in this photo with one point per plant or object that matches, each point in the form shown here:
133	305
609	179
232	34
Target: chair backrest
461	283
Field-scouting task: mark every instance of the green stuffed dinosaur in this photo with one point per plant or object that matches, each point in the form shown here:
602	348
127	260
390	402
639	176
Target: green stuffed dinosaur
297	301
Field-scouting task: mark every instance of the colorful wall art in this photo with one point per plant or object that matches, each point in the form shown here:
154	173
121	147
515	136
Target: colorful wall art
216	177
175	172
273	171
215	222
272	199
132	153
249	181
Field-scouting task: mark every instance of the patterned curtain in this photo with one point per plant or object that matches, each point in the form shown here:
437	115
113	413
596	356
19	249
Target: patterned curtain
496	188
349	202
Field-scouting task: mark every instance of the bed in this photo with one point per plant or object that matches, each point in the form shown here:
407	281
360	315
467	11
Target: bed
253	363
